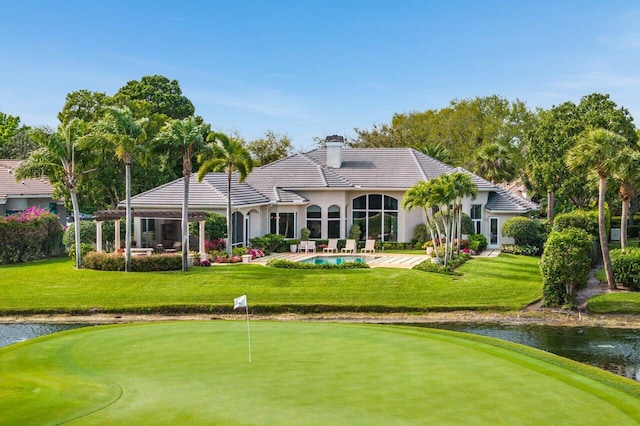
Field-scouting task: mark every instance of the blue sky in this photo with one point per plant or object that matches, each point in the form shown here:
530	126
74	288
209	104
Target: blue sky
314	68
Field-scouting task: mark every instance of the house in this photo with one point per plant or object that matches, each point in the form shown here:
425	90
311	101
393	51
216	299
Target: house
16	196
326	190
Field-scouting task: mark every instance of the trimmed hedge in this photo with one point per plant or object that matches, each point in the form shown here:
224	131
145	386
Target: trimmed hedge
115	262
565	266
289	264
520	249
626	267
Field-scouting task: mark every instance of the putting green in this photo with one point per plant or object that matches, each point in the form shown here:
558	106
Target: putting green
301	373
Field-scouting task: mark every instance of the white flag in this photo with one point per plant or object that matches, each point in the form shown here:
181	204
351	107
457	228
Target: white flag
240	302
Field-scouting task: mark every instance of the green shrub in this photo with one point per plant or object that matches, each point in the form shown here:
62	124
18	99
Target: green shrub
289	264
467	224
583	219
215	227
28	235
269	243
84	249
478	242
455	262
524	231
521	250
114	262
355	232
87	234
421	233
565	265
626	267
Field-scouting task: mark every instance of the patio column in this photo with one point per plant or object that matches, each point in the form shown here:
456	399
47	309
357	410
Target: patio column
117	242
99	236
203	253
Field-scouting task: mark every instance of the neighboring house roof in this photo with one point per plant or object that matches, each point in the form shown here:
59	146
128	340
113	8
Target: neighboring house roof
9	187
361	169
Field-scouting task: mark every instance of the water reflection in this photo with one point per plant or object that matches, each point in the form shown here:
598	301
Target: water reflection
13	333
613	349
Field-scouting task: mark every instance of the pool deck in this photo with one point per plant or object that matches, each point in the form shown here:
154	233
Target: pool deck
382	260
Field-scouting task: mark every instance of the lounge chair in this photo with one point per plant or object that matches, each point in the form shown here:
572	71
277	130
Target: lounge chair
302	246
350	247
332	247
311	246
369	247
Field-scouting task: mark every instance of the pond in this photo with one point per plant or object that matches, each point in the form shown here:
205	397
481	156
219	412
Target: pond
613	349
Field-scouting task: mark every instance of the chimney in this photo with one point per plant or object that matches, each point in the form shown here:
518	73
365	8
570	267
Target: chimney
334	145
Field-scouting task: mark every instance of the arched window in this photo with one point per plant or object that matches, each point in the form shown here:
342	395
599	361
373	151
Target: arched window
314	221
333	222
377	216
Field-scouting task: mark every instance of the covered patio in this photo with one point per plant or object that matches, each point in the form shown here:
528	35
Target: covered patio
151	236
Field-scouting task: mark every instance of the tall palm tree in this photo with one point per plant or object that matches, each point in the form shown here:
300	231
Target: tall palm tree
494	163
126	134
185	136
600	150
225	154
57	159
628	173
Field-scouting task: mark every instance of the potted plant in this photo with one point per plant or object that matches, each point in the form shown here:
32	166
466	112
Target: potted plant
293	245
304	234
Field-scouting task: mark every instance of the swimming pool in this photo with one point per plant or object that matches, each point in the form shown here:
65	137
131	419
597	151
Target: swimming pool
336	260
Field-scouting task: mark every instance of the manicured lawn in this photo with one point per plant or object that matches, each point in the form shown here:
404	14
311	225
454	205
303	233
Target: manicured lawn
621	303
301	373
503	283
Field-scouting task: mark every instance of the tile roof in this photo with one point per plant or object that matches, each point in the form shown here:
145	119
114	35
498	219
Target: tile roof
368	168
10	187
210	193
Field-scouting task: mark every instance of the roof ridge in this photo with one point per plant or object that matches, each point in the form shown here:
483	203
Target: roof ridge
412	152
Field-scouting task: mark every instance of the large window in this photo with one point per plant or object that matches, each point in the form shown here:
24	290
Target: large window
314	221
476	217
333	222
283	224
377	216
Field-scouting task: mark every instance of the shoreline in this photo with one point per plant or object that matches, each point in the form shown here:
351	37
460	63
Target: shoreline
540	316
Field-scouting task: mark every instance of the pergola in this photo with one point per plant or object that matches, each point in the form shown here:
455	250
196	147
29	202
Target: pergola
118	215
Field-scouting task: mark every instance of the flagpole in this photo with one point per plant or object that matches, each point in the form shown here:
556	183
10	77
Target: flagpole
248	331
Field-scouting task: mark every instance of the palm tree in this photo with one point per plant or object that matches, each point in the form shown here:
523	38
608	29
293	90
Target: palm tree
225	154
463	187
628	173
437	151
494	163
600	150
125	133
419	196
186	136
56	158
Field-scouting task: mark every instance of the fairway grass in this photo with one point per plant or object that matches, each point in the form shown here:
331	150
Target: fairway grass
301	373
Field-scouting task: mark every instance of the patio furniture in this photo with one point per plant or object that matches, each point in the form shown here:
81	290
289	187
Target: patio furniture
307	246
141	251
369	247
332	247
350	247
